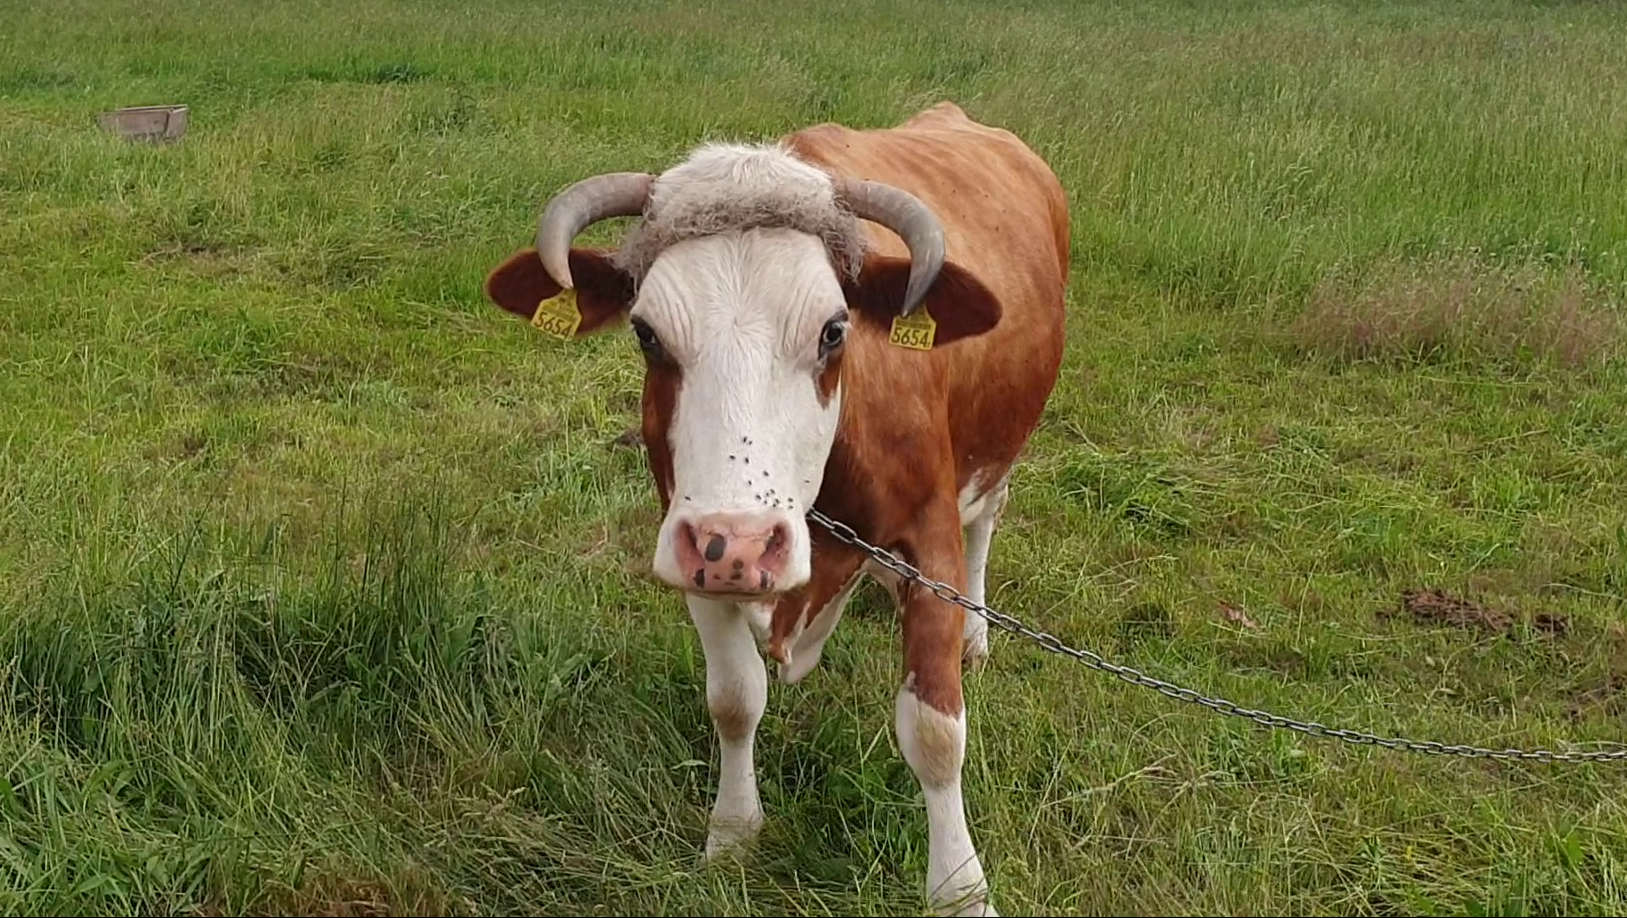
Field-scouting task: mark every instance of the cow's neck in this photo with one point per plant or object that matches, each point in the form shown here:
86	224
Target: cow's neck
860	470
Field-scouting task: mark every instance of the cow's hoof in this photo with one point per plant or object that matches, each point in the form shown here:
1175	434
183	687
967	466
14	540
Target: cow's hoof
978	907
962	899
727	838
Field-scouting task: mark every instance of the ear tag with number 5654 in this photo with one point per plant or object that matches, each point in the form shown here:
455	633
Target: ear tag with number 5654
914	331
559	315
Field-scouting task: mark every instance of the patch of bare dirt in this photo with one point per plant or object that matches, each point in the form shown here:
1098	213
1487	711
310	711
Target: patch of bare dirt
1435	606
1551	622
206	259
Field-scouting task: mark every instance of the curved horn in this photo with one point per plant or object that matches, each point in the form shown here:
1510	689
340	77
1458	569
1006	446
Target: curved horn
906	215
614	194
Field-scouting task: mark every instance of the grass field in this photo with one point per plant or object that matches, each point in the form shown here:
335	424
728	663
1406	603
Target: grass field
324	580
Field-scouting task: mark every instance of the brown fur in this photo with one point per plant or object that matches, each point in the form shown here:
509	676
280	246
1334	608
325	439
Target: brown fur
661	384
916	427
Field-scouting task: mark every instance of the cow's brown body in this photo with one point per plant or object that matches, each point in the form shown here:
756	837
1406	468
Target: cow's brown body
920	429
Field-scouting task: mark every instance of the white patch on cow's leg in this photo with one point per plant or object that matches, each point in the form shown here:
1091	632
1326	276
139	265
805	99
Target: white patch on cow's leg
979	535
810	643
889	581
934	745
736	694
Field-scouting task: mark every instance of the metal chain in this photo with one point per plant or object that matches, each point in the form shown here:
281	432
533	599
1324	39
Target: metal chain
1220	705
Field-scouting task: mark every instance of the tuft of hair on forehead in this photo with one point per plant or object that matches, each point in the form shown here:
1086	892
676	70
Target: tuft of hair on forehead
733	187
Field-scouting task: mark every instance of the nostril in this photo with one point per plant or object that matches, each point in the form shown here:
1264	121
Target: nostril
714	548
777	540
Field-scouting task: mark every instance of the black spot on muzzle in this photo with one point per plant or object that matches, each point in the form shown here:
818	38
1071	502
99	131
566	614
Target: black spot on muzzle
714	548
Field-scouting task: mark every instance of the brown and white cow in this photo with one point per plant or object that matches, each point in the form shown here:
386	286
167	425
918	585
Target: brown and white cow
764	309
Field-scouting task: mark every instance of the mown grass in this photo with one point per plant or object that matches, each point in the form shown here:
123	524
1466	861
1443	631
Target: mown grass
325	581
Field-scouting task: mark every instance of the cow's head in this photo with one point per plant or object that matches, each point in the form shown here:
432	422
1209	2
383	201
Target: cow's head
743	283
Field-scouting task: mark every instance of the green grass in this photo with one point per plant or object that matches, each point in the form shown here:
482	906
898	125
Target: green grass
325	584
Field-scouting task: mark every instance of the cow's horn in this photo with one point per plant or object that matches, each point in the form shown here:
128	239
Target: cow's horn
911	219
614	194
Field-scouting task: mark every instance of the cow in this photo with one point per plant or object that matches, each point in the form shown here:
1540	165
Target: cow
868	322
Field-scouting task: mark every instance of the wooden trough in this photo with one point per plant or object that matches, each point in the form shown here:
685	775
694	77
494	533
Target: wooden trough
148	123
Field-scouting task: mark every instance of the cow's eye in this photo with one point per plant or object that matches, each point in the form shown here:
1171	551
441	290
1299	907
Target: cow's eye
646	336
831	338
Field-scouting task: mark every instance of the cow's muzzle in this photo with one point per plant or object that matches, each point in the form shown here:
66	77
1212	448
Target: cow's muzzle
744	554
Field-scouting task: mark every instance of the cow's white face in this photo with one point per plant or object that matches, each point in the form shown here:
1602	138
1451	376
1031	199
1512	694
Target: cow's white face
743	333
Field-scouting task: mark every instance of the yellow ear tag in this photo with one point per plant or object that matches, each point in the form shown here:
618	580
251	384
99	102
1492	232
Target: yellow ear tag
559	315
914	331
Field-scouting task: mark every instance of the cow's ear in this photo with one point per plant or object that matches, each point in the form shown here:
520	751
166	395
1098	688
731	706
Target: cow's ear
959	304
602	293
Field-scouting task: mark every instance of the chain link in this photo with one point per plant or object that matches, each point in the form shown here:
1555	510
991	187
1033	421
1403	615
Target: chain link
1220	705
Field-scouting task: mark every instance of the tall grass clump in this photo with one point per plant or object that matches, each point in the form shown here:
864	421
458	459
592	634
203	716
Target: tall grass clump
1423	309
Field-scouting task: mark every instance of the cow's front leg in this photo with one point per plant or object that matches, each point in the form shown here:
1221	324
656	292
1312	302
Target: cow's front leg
931	724
736	693
979	538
